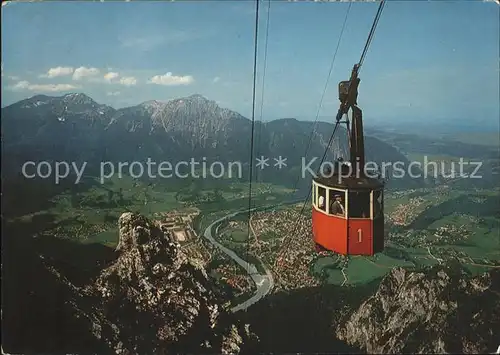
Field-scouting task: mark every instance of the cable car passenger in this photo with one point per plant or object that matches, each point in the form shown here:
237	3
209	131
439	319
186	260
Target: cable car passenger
337	207
322	198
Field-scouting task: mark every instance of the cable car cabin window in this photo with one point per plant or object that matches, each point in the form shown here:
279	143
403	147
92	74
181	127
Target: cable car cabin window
337	203
321	198
359	204
378	203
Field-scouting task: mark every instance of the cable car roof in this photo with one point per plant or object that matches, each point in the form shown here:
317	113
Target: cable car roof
351	182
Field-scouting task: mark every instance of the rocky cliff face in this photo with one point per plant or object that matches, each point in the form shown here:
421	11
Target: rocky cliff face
154	299
440	311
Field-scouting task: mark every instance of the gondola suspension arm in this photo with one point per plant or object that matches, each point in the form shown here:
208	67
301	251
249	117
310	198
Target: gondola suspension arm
348	90
348	96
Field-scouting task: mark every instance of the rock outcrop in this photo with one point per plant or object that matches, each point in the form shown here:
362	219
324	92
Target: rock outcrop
154	299
442	310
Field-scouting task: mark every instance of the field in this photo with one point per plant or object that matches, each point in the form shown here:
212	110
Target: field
91	216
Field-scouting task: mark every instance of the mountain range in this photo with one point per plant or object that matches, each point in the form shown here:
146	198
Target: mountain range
75	128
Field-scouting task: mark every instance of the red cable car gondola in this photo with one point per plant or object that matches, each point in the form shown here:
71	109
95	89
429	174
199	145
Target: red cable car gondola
347	205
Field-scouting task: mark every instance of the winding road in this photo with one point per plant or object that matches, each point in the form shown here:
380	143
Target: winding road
263	283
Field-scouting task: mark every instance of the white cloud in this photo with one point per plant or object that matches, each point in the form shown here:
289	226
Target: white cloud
83	72
128	81
57	71
216	79
109	77
112	78
25	85
113	93
171	80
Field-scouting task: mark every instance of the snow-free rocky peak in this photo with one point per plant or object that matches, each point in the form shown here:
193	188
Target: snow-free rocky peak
165	292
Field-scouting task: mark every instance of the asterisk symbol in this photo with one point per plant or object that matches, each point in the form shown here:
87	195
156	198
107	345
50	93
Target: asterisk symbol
262	162
280	162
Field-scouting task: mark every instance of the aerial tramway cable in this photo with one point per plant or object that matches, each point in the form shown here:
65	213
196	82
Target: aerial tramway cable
372	32
296	224
363	55
253	117
263	78
313	130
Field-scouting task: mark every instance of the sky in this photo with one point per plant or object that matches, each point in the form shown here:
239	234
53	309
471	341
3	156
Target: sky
428	61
